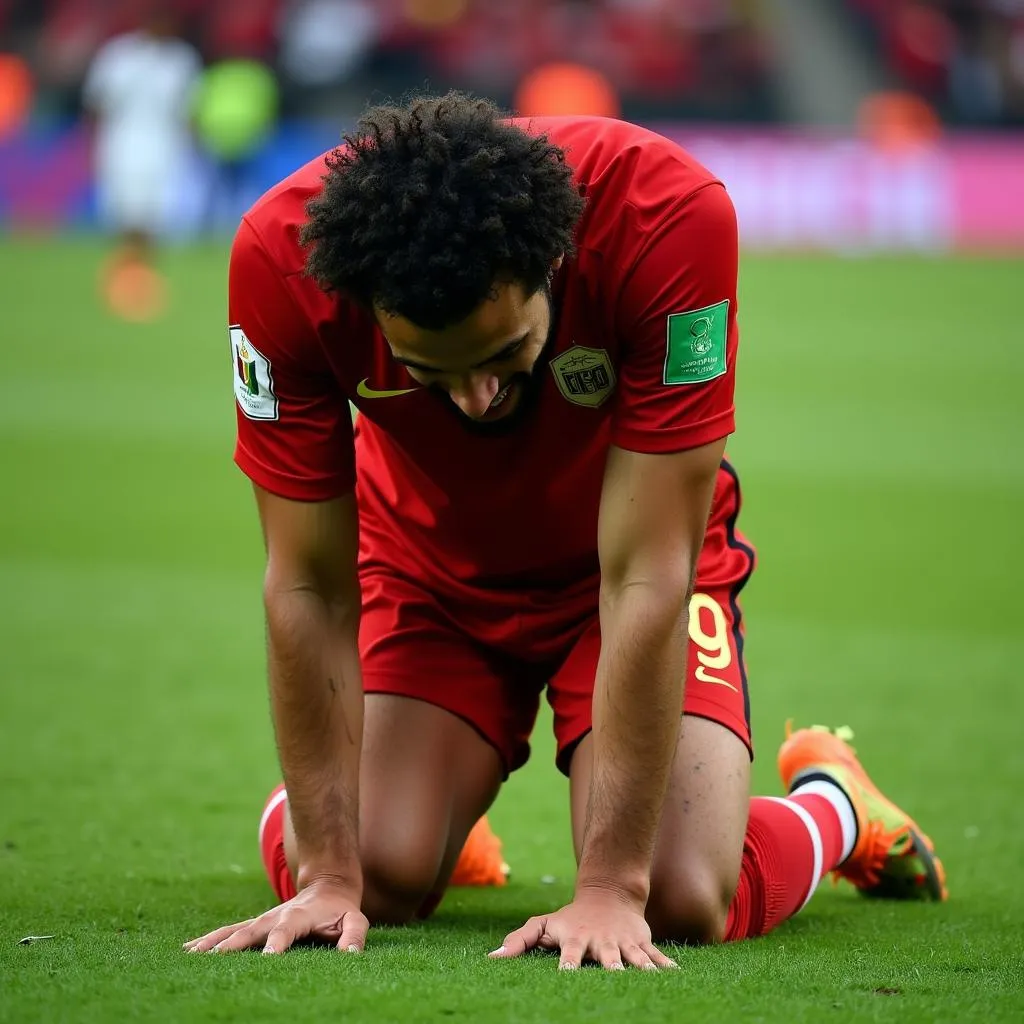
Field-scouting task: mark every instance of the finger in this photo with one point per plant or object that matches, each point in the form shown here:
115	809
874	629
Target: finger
354	927
208	941
659	958
522	939
637	956
572	955
253	934
212	938
280	938
609	956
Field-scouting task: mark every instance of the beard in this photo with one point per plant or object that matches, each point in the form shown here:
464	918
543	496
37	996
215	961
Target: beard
527	382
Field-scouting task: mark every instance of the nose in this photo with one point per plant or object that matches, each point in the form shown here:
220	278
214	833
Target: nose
473	394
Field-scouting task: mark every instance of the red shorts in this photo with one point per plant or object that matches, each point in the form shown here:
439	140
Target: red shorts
417	644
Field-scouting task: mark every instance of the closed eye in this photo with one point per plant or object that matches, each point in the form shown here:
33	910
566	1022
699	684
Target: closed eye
506	354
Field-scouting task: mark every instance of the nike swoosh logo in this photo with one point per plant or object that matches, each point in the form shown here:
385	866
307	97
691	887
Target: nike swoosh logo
363	390
702	675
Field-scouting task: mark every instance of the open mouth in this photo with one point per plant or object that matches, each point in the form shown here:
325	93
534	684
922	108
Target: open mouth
504	409
500	403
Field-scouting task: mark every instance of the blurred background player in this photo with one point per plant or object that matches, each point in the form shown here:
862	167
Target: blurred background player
138	92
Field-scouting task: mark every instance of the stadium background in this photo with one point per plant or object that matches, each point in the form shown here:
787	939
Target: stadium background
875	151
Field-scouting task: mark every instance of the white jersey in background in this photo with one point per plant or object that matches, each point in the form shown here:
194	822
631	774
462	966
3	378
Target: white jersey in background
140	88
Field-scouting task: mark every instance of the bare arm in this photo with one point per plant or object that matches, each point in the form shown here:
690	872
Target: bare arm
311	596
675	315
295	443
654	510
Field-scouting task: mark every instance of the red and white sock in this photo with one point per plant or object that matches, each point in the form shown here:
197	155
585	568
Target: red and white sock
271	836
840	802
791	844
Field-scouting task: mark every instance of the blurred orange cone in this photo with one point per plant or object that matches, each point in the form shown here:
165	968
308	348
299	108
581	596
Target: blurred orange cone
133	290
566	88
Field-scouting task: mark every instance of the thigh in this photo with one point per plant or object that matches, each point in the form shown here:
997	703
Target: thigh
700	843
700	839
426	777
446	721
716	676
410	646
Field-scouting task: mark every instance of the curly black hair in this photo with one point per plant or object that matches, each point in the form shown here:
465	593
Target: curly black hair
430	204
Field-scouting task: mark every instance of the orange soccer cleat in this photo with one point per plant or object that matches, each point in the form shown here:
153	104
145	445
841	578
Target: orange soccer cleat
480	862
892	857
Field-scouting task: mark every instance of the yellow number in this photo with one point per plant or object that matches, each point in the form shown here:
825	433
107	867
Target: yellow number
715	651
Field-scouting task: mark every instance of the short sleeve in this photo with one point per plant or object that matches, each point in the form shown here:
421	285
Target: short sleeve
294	425
676	318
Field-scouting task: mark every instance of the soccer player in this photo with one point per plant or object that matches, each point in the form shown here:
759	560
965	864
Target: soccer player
537	323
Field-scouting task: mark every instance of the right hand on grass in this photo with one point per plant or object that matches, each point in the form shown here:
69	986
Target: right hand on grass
323	910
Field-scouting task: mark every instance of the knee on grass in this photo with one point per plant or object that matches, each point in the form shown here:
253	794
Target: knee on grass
399	874
689	905
397	883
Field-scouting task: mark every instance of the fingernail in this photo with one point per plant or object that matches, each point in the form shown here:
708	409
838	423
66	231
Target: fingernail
672	963
269	951
354	949
567	967
650	967
616	967
497	952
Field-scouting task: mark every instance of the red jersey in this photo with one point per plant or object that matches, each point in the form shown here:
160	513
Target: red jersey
642	356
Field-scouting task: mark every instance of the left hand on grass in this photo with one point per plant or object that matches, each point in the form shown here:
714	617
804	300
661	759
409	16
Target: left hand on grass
600	926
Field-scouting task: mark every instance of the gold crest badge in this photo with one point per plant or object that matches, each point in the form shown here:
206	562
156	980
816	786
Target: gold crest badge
585	376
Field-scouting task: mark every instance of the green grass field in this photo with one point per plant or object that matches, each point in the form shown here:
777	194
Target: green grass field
880	433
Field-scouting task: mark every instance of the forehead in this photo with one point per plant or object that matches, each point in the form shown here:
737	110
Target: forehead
495	322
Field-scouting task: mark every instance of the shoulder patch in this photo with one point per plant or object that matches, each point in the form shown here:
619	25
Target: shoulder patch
695	344
254	385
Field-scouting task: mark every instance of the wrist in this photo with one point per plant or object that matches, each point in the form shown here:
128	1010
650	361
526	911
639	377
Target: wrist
631	887
348	877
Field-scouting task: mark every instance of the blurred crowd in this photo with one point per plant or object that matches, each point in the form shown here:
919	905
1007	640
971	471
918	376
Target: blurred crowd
966	57
160	118
671	58
647	59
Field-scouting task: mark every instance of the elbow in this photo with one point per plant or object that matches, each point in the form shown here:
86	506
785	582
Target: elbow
285	590
664	590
